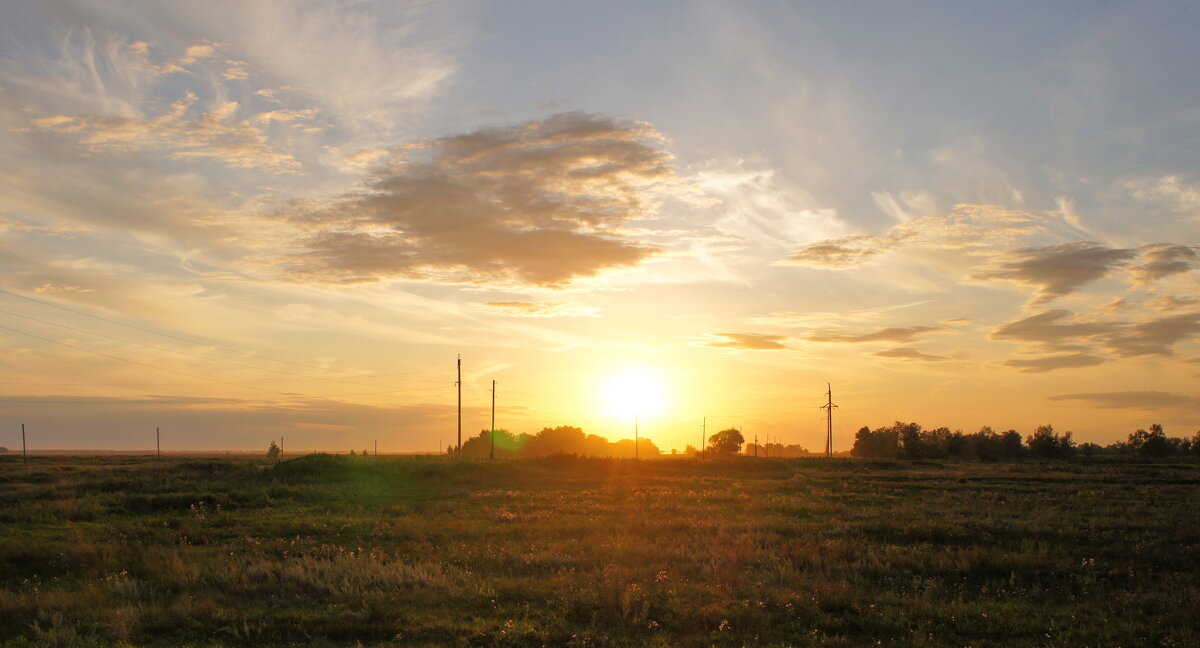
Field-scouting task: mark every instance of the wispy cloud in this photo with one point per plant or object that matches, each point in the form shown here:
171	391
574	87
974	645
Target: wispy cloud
908	353
845	252
183	133
743	340
542	309
1052	363
1163	260
1052	329
973	229
1171	191
1060	330
1057	270
1154	336
890	334
1134	400
540	203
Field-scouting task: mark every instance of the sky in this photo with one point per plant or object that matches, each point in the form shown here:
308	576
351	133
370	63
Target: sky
238	221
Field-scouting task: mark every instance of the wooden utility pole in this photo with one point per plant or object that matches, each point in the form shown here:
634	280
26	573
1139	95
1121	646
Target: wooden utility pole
157	442
24	454
635	436
459	384
828	407
755	446
703	436
492	452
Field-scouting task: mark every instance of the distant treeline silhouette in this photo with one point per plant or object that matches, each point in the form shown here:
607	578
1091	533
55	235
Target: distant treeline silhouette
909	441
564	439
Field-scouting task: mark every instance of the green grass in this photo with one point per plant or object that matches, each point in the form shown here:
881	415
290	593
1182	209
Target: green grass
325	551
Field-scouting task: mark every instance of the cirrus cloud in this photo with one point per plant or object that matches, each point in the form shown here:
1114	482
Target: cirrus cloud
890	334
908	353
542	309
1051	363
1138	400
742	340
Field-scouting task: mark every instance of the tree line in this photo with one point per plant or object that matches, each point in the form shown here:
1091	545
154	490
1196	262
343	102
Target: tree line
568	439
910	441
564	439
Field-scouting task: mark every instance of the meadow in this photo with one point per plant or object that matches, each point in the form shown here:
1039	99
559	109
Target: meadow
337	550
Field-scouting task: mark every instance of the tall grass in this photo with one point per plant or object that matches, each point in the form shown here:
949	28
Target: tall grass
332	551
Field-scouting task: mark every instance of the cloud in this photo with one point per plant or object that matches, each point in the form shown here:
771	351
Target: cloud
1052	363
1169	190
892	334
1058	330
1162	260
907	353
542	203
1057	270
1154	336
366	72
217	134
752	341
845	252
543	309
1138	400
973	229
1050	329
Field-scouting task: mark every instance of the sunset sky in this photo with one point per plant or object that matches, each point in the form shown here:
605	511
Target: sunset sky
241	220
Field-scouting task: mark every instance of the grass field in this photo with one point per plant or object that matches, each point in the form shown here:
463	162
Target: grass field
341	550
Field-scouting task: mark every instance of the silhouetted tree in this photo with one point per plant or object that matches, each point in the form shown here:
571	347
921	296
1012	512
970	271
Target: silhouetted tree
1152	443
273	450
984	445
911	446
1048	444
480	446
726	442
1010	445
957	446
883	443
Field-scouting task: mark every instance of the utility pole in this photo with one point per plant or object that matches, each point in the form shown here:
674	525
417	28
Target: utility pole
459	384
158	442
281	446
755	446
492	452
828	407
376	447
703	436
635	436
24	454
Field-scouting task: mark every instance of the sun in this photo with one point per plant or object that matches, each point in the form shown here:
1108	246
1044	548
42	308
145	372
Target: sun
634	392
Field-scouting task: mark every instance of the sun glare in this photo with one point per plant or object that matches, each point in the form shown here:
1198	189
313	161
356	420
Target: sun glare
634	392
